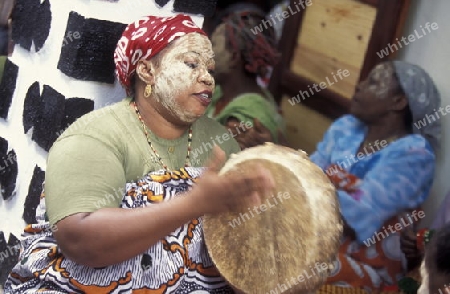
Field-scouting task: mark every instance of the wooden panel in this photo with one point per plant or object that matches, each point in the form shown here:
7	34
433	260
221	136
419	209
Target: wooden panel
287	45
334	35
328	102
388	25
384	19
305	127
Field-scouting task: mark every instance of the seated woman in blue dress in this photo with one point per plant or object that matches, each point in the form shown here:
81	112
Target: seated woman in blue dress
381	158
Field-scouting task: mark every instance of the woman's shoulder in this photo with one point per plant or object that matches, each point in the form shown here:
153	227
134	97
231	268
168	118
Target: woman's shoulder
210	129
411	143
346	125
105	123
209	126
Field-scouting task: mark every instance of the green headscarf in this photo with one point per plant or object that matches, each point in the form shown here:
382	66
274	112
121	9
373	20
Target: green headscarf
246	108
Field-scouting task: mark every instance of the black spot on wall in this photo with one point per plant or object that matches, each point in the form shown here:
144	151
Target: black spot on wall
31	106
205	7
31	23
3	146
7	87
49	117
8	170
88	49
8	174
34	195
9	255
161	3
50	113
75	108
3	252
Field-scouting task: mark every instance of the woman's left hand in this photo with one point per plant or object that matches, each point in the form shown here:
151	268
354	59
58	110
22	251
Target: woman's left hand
256	135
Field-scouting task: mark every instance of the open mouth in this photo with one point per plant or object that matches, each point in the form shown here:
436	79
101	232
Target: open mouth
204	97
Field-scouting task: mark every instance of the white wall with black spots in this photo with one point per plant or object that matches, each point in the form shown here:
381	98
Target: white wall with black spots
61	68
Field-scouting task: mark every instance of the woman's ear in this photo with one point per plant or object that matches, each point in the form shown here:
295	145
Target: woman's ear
399	102
236	60
145	70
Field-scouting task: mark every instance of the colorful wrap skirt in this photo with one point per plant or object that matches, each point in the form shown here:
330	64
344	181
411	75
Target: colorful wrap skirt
179	263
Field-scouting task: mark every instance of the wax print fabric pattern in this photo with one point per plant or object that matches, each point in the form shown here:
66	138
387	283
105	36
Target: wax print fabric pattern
179	263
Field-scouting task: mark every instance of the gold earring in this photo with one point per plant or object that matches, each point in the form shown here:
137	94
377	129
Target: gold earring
148	91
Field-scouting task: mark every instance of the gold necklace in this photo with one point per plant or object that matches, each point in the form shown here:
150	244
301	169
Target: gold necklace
186	164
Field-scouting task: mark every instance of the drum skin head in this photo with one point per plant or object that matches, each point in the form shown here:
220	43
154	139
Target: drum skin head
286	243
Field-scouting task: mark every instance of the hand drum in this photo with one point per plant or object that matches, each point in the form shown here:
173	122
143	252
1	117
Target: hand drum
286	243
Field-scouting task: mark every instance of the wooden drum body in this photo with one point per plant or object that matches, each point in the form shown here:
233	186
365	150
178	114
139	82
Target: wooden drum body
287	243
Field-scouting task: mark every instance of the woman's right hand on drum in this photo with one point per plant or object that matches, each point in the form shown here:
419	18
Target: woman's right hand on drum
215	194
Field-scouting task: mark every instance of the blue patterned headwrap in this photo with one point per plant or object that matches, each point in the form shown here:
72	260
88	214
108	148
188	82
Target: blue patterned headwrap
423	98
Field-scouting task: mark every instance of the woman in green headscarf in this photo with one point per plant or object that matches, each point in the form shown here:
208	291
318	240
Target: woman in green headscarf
242	55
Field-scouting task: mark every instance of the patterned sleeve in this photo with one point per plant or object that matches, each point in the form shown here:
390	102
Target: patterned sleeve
400	181
322	155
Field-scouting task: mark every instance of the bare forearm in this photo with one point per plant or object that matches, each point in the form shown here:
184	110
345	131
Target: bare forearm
112	235
109	236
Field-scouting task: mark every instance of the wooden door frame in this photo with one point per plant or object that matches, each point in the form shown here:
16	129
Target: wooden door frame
388	25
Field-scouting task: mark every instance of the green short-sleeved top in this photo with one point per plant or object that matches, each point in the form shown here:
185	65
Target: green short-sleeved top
90	163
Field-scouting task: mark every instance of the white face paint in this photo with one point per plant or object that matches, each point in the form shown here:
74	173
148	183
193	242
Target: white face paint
380	80
185	69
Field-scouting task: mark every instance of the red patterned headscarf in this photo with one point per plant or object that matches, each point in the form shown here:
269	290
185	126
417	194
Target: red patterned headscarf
146	37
